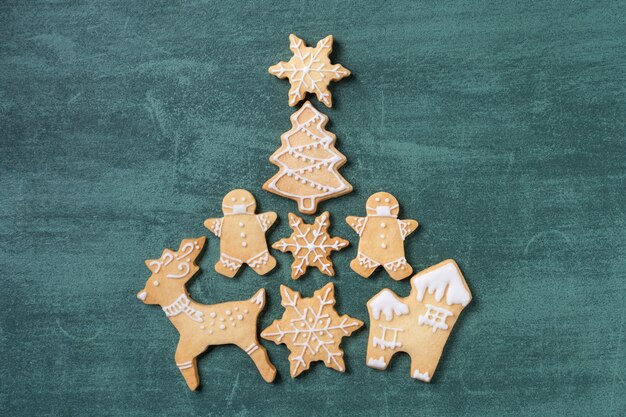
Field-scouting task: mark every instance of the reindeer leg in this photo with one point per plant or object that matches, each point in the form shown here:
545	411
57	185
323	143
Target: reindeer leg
259	356
186	362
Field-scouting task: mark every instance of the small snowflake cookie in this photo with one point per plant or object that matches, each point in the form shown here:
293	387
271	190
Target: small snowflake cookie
311	329
420	323
308	162
310	70
242	235
201	325
382	237
311	245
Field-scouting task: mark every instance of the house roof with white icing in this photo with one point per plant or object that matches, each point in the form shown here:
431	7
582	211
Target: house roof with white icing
387	302
443	279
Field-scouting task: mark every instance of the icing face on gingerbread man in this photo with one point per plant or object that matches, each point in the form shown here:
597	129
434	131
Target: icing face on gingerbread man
242	235
382	238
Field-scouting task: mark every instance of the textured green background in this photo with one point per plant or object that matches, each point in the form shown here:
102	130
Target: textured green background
500	126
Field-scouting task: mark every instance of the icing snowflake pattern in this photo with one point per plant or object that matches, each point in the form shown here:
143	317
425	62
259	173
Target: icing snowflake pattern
310	70
311	329
311	245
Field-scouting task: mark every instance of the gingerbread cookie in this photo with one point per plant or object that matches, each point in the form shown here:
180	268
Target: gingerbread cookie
308	162
420	323
311	245
242	235
310	70
200	325
382	238
311	329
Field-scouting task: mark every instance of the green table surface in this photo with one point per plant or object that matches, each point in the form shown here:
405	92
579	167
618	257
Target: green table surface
500	126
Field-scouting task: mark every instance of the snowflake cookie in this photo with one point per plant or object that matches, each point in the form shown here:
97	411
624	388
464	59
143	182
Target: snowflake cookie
242	235
420	323
200	325
311	245
310	70
382	238
311	329
308	162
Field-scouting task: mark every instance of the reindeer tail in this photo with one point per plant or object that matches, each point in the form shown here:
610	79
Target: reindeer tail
258	299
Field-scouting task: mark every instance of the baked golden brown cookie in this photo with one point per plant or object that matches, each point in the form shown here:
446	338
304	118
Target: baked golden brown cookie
311	245
200	325
311	329
242	235
308	162
382	238
420	323
310	70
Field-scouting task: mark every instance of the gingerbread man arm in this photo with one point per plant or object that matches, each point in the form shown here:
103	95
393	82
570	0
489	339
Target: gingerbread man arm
407	227
266	220
214	225
357	223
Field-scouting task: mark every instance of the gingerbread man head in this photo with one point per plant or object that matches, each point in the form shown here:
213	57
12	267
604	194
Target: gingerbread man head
238	202
382	204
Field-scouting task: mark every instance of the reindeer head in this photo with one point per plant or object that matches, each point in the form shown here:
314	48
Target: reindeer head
171	272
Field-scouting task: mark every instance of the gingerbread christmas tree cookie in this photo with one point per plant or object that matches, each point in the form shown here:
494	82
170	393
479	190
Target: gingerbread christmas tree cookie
308	162
382	237
310	70
200	325
420	323
242	235
311	245
311	329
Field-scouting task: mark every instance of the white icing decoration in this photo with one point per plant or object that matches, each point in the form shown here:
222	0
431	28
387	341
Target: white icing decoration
311	332
326	142
184	365
421	376
257	298
383	211
252	348
182	305
399	263
257	260
230	262
184	267
387	303
377	363
438	280
155	283
363	259
435	317
382	341
142	295
309	241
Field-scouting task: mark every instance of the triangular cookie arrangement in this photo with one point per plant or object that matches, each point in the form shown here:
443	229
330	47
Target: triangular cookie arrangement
310	327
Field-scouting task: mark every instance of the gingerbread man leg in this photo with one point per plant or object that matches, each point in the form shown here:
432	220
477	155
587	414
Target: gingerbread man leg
262	263
186	362
228	265
364	265
398	269
259	356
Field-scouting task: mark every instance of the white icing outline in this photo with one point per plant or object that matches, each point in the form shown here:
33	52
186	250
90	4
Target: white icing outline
444	279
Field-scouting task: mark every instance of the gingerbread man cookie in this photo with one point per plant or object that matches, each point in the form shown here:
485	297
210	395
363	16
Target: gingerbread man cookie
311	245
311	329
242	235
310	70
200	325
420	323
382	238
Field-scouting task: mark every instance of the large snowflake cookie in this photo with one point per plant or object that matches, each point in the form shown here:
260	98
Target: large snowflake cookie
420	323
382	237
308	162
311	245
310	70
200	325
311	329
242	235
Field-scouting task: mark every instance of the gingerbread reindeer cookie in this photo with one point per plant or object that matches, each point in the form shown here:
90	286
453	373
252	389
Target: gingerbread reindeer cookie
420	323
382	237
242	235
310	70
311	245
311	329
200	325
